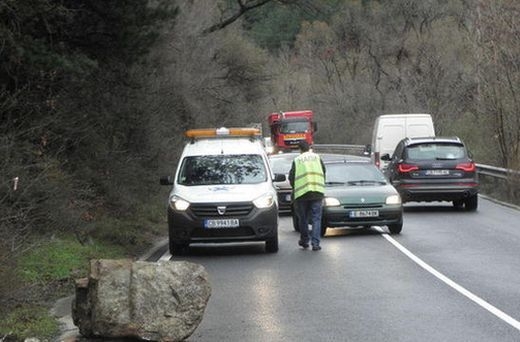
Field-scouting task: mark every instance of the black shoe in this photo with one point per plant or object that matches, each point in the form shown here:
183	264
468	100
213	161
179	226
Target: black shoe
316	248
303	244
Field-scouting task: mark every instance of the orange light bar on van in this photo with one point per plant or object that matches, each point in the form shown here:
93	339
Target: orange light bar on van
222	132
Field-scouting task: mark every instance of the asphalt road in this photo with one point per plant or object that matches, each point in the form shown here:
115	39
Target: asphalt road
449	276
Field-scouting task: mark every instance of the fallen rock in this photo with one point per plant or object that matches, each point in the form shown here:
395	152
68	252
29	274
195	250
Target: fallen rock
155	301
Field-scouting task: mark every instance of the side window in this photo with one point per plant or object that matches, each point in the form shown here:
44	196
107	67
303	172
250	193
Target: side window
398	151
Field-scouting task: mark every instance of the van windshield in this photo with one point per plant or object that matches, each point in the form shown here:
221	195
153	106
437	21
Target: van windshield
222	169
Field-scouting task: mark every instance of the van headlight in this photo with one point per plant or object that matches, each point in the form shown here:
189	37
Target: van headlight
331	202
264	201
177	203
394	199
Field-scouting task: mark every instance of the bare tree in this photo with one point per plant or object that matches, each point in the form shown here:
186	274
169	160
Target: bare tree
500	74
234	10
229	16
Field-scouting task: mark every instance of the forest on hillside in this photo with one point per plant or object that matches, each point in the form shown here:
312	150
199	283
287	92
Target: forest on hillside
95	95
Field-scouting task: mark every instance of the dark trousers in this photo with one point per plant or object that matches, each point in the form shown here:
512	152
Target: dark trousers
309	211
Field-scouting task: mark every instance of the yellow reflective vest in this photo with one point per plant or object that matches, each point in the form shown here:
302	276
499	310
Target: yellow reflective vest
308	175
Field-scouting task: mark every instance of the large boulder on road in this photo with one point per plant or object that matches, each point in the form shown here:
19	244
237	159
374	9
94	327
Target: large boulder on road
162	301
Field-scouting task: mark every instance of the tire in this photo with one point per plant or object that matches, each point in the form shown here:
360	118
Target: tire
178	248
395	228
471	203
458	204
271	245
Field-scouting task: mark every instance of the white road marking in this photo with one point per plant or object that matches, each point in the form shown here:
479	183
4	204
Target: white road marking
165	257
154	249
495	311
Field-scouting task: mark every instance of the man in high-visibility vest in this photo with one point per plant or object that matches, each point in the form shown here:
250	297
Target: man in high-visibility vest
307	178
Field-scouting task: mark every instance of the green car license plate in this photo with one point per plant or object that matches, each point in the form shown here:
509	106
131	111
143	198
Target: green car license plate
221	223
363	213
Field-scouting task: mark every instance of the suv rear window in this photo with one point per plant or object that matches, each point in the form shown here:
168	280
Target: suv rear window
435	151
222	169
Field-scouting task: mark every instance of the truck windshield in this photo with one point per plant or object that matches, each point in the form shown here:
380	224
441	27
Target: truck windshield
222	169
294	127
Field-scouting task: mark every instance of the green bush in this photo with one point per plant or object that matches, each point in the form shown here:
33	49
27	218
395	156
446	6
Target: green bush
62	258
28	321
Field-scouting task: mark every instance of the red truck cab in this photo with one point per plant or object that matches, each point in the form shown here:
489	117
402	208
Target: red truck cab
289	128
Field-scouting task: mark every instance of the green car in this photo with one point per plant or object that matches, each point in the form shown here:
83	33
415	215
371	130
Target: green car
357	194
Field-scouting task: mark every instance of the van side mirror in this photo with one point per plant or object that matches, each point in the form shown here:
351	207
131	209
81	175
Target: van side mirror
279	177
166	180
315	126
385	157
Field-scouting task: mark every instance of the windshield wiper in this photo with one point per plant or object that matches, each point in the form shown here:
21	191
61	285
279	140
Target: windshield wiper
366	181
334	183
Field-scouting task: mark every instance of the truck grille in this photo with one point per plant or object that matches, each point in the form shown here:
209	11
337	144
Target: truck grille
292	142
211	210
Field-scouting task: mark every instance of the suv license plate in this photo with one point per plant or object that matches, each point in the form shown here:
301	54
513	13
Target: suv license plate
222	223
437	172
364	213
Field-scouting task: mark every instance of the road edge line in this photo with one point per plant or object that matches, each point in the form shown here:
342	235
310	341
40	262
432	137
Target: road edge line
468	294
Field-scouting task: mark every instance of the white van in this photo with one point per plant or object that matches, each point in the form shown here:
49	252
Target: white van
389	129
223	191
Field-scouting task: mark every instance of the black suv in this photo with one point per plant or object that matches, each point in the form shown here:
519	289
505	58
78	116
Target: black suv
434	169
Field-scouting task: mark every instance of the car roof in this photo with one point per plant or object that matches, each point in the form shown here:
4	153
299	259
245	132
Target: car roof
286	155
424	140
325	157
223	146
344	158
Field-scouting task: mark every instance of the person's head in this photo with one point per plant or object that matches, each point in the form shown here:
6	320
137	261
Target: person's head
303	146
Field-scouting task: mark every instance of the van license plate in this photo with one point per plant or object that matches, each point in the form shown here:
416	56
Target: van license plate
364	213
221	223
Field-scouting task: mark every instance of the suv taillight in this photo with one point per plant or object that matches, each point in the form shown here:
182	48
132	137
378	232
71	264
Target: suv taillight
467	167
405	168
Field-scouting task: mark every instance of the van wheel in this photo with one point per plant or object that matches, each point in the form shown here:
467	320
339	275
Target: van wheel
471	203
178	248
395	228
271	245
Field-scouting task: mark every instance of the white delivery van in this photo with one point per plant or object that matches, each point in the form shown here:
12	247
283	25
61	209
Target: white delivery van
389	129
223	190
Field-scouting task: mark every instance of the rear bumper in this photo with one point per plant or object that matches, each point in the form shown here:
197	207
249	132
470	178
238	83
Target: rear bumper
284	201
432	192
